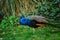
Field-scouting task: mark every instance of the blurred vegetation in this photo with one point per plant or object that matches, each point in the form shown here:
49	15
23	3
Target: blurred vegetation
10	29
46	8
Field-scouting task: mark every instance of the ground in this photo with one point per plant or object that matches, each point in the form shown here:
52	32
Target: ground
22	32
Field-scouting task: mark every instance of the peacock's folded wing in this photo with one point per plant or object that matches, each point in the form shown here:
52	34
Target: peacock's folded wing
38	18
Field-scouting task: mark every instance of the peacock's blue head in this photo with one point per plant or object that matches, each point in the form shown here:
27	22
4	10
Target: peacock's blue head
22	16
24	21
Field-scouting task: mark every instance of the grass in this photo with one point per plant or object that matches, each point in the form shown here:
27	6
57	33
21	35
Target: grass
26	33
10	30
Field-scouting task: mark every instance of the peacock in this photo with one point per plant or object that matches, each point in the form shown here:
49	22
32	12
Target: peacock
34	21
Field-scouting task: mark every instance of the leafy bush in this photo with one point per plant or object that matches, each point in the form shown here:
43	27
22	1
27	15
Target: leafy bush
49	9
10	21
6	27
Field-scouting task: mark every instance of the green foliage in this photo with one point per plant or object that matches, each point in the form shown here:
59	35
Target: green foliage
48	9
10	29
10	21
6	27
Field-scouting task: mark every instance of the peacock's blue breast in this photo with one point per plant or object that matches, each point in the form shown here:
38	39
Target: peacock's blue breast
24	21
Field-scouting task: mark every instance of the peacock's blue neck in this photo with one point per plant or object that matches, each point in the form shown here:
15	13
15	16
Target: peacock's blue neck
24	21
